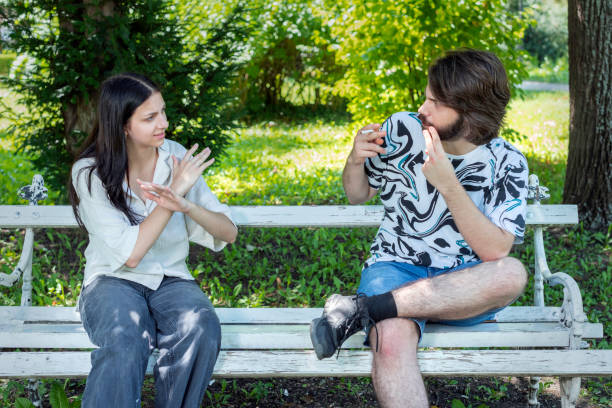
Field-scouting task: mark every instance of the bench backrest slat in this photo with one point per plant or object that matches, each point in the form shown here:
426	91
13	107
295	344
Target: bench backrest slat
23	216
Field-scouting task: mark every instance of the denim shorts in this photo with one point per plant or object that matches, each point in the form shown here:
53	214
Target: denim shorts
382	277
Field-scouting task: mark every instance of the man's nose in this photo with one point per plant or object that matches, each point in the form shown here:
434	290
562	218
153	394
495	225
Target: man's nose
421	109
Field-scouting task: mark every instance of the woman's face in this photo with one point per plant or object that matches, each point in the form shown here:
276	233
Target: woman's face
147	126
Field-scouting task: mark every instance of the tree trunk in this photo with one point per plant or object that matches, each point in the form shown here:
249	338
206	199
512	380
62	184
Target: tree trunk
80	113
588	181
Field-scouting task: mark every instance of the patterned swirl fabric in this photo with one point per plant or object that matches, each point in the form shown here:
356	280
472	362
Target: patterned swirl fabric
417	227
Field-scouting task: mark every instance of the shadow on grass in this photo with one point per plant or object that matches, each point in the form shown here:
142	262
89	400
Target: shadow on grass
297	114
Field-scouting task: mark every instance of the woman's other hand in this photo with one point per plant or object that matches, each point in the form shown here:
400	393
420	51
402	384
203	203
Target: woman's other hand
186	171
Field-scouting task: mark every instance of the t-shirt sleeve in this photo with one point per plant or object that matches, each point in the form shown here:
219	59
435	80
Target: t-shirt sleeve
375	166
506	206
201	195
109	229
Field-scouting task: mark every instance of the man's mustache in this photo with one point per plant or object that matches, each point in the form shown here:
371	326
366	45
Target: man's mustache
424	122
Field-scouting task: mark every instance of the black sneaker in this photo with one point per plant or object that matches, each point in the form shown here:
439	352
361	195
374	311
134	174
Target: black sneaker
342	317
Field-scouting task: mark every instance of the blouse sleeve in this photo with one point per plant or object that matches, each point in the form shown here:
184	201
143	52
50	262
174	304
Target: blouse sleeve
201	195
109	229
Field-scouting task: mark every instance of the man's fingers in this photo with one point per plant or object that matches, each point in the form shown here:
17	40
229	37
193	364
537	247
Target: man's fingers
435	139
429	149
371	126
371	136
371	147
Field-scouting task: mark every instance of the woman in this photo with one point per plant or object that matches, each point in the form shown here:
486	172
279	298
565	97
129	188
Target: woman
142	198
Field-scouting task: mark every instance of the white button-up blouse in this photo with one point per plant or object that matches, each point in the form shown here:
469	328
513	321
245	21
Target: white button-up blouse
112	237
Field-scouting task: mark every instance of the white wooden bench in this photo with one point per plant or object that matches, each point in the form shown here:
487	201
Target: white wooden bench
274	342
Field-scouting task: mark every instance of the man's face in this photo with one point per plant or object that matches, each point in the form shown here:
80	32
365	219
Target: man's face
447	121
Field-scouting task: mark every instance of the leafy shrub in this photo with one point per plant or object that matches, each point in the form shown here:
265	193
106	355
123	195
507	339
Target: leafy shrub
386	47
547	38
5	63
290	56
66	49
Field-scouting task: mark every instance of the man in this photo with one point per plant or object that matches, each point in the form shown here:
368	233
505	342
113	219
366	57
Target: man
454	195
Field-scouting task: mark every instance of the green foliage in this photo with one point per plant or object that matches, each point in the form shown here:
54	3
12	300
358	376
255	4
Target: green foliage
290	56
66	49
23	403
58	398
5	63
15	172
546	39
387	47
549	70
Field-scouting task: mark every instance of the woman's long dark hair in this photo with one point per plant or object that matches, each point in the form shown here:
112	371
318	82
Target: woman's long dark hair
120	95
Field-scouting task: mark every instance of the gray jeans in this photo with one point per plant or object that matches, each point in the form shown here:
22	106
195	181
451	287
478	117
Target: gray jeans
127	321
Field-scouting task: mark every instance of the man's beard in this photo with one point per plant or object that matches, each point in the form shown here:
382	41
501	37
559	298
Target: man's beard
450	132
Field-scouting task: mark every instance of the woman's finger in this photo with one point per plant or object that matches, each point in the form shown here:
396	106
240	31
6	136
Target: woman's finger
150	196
190	152
203	154
207	164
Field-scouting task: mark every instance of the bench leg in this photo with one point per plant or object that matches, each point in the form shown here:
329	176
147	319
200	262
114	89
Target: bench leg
570	387
33	395
534	387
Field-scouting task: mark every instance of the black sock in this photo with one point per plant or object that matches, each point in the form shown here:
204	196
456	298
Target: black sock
381	307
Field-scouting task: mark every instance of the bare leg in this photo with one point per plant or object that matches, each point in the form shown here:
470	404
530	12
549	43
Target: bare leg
463	294
395	371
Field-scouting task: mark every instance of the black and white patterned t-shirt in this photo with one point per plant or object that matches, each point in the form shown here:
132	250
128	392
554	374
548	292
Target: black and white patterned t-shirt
417	227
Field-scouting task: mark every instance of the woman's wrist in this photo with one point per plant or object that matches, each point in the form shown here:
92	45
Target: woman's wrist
189	207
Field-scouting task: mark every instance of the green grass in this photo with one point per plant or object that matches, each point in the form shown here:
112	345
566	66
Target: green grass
543	117
301	163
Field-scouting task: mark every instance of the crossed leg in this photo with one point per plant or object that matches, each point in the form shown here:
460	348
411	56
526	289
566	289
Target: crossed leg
454	296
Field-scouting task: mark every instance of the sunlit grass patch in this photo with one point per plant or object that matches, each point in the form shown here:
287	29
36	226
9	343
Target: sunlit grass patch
544	118
281	164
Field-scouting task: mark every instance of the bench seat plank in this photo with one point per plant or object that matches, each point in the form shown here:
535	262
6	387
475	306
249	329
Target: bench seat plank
237	364
44	216
250	336
57	314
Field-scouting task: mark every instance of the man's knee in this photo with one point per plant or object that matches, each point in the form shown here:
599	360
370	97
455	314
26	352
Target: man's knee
517	274
511	277
396	338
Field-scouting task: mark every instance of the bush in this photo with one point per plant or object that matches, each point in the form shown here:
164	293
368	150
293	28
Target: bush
291	61
66	50
386	47
5	63
547	38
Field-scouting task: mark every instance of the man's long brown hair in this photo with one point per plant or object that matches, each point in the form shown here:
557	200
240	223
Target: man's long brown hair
475	84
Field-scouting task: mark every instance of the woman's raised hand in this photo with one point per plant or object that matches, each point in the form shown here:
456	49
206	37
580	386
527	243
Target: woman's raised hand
187	171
